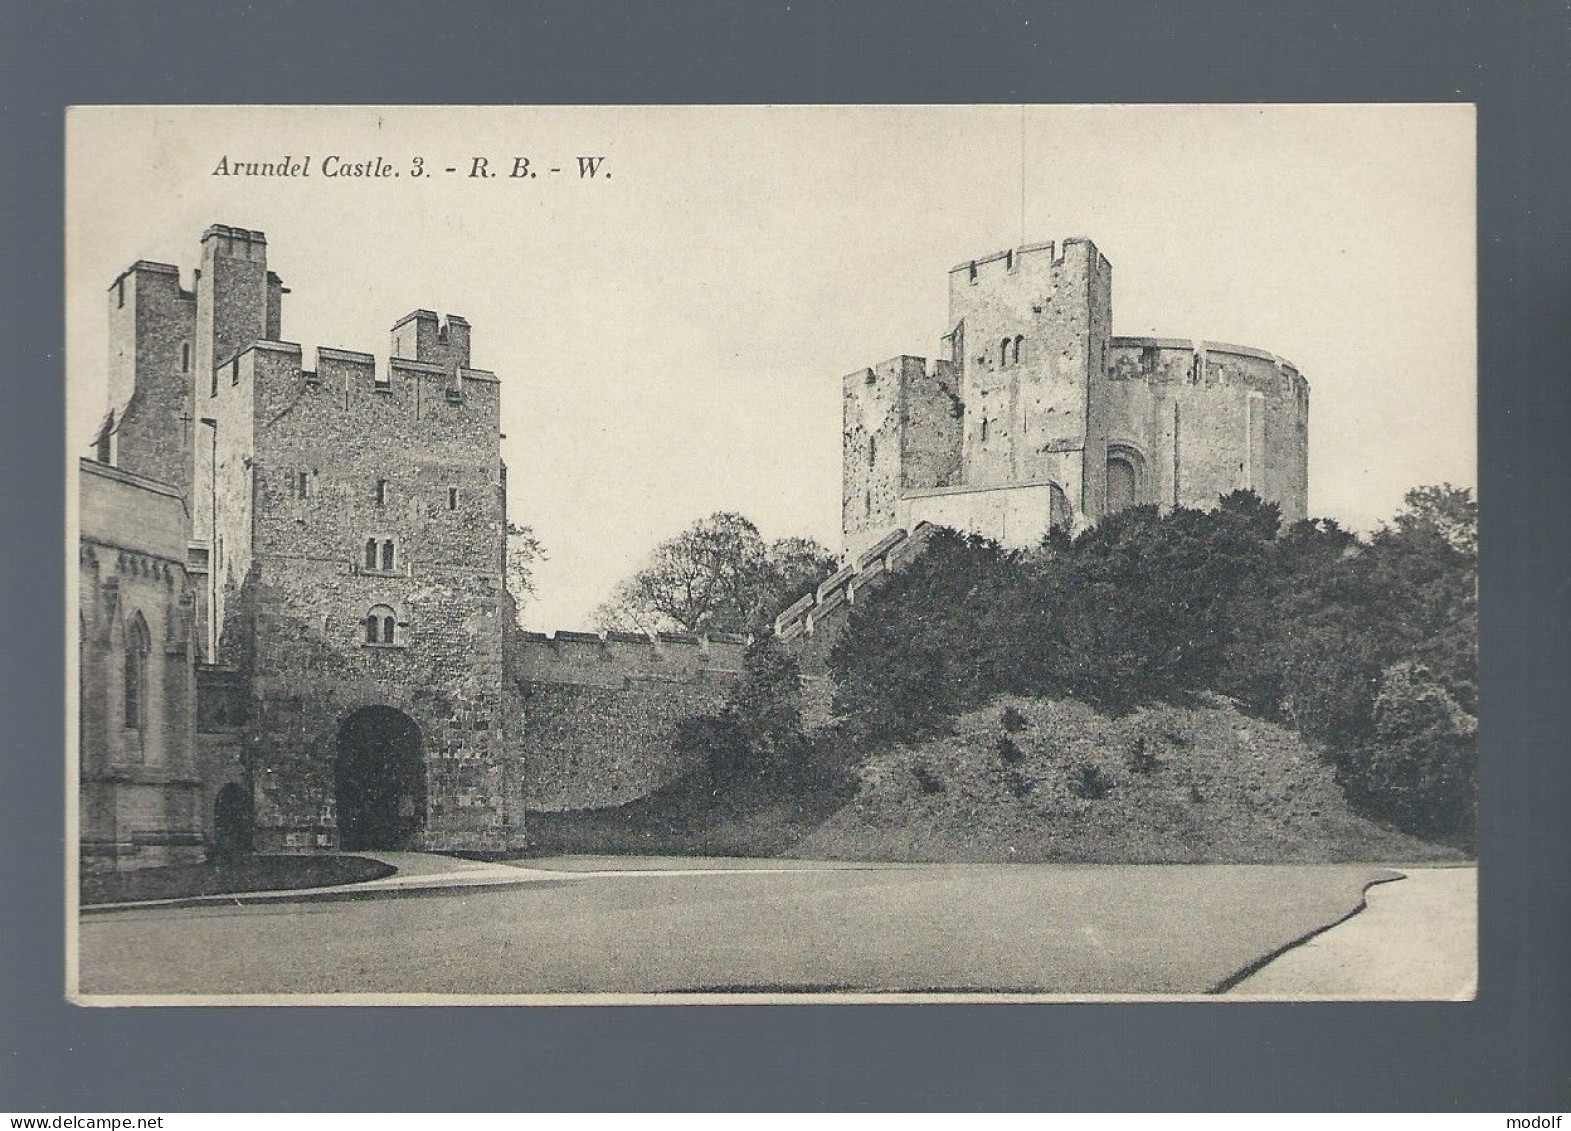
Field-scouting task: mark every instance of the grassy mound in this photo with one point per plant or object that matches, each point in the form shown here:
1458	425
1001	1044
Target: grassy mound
690	817
1040	780
244	873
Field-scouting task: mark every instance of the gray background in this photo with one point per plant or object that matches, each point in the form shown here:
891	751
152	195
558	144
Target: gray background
1508	1051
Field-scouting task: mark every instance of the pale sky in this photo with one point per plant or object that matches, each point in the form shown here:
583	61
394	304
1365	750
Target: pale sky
671	340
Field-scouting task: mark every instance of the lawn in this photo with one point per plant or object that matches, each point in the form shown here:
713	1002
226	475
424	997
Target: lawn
245	873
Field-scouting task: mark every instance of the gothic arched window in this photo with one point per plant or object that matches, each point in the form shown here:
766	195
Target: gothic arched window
1003	352
138	644
1014	354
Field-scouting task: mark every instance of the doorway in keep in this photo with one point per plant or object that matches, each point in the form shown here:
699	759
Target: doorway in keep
233	821
379	780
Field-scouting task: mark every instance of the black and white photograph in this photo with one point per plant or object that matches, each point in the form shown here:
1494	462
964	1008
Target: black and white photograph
771	554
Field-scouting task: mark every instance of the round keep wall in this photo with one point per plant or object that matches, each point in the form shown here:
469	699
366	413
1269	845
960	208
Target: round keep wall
1182	423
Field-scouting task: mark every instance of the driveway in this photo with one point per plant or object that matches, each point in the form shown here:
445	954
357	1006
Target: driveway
660	928
1416	939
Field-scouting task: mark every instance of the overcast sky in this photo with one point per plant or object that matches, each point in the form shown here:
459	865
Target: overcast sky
671	339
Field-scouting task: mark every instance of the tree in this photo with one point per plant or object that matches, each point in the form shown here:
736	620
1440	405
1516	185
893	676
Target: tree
523	550
718	575
1420	772
1450	512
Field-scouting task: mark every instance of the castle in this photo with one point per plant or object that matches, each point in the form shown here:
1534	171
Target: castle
294	630
1040	418
295	634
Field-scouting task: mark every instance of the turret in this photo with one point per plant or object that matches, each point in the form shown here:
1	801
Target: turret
423	335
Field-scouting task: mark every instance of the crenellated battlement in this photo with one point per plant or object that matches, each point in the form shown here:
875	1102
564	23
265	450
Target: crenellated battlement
893	552
614	660
222	240
1201	362
424	335
1007	263
344	378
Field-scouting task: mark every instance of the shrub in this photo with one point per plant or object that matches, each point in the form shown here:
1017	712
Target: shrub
927	779
1018	784
1420	771
1008	752
1089	782
719	739
758	734
1141	760
1299	625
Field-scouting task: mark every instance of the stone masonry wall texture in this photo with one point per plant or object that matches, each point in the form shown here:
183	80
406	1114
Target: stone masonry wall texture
1049	397
287	474
600	714
309	497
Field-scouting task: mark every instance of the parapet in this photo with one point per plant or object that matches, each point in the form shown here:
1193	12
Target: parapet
224	231
616	660
892	552
1196	361
353	376
1010	259
234	243
424	335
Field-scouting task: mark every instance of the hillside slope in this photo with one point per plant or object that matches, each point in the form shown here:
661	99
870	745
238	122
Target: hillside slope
1038	780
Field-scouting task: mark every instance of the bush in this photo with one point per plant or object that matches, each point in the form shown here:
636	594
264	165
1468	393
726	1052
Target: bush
1018	784
758	734
1013	720
927	779
1141	760
720	740
1008	752
1420	771
1090	783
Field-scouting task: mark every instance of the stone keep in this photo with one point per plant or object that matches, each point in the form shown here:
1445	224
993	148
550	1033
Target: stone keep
1040	418
347	546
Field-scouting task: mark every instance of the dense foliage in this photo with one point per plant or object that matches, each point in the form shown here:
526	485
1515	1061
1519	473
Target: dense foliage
758	736
718	575
1365	646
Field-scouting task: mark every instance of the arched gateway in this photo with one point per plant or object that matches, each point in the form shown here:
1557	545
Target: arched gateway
379	780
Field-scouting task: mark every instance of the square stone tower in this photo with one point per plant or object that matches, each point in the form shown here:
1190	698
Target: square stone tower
350	522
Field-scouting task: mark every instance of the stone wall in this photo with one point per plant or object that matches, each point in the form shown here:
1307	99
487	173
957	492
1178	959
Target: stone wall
1034	328
810	627
139	779
152	326
595	717
902	424
345	460
1208	418
1014	516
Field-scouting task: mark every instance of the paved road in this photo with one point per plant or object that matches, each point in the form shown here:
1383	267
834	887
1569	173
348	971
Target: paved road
602	926
1417	938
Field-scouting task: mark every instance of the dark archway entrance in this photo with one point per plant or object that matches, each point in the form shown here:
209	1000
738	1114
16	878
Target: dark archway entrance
379	780
233	821
1123	481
